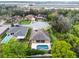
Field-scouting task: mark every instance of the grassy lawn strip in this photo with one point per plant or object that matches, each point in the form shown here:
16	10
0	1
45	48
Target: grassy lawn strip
2	36
25	22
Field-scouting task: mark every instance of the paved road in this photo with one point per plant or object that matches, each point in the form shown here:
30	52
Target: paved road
41	56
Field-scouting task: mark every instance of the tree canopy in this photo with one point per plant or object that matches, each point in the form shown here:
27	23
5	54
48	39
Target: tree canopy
61	49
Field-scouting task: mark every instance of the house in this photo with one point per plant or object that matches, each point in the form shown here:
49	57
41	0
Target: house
3	29
40	17
30	17
18	32
2	22
40	40
4	17
16	18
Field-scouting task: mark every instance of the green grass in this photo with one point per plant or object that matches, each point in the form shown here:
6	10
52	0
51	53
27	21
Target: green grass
25	22
28	34
2	36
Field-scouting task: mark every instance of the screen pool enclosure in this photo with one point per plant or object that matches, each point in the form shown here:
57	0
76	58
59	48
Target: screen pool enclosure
6	39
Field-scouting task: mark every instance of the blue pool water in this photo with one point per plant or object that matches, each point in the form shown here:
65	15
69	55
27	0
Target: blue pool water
6	39
42	47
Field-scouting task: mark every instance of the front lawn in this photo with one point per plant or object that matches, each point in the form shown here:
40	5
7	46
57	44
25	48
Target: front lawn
25	22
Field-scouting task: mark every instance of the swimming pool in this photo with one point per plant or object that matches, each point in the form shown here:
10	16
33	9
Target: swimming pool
42	47
6	39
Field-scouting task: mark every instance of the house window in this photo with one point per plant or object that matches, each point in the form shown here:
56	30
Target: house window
42	41
38	41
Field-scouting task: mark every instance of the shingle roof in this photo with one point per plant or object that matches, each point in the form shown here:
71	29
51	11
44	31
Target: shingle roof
39	35
3	28
18	31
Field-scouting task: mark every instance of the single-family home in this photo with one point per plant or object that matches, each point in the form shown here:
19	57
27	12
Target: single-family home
16	18
40	17
30	17
18	32
3	28
40	40
2	22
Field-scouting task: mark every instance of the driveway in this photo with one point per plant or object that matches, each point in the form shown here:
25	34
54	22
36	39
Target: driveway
38	25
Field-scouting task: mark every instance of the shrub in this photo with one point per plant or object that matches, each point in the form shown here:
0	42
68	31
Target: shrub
34	52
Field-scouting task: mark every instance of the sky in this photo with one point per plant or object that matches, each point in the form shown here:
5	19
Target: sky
39	0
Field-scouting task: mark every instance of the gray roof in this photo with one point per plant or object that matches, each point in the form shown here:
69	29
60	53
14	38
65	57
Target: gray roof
39	35
18	31
3	29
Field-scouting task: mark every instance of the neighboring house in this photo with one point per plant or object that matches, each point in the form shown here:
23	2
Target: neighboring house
40	17
2	22
16	18
30	17
39	40
3	29
18	32
4	17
